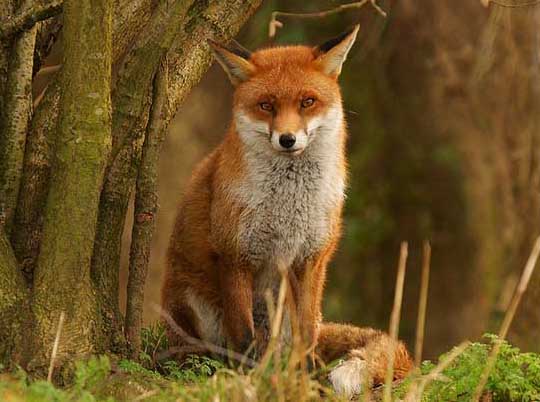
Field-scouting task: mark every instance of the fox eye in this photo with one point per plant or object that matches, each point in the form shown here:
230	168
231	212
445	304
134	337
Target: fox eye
308	102
266	106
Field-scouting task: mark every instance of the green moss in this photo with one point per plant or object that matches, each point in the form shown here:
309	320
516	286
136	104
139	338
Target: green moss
515	377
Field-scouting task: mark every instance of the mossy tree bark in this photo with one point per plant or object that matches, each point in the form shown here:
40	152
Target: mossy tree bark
79	158
42	134
146	206
16	113
132	101
62	278
14	306
188	56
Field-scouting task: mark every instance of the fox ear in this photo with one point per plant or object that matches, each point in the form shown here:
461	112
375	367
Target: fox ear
331	54
234	59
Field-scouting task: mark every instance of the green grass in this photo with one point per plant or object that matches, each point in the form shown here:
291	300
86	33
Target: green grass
516	377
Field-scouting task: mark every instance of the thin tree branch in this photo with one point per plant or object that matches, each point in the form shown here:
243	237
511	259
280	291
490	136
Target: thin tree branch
146	208
274	24
28	18
486	3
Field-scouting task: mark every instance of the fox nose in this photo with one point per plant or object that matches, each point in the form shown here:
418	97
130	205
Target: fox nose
287	140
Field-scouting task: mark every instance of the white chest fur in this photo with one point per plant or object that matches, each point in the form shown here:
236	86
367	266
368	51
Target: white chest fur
288	200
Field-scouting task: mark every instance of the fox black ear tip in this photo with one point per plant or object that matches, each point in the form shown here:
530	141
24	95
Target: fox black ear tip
348	35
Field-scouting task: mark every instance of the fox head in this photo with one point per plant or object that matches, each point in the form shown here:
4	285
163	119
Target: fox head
287	97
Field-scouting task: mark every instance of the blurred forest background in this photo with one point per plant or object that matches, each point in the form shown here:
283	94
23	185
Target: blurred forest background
443	106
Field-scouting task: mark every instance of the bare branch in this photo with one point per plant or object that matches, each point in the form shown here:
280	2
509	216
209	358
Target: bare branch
511	5
28	18
274	24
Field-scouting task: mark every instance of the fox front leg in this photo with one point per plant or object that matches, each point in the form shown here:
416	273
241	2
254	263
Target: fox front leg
308	291
237	301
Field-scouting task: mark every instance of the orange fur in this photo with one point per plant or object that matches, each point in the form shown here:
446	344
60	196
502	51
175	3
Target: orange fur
341	340
210	280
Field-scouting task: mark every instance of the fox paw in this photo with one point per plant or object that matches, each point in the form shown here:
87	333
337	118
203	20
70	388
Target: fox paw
349	377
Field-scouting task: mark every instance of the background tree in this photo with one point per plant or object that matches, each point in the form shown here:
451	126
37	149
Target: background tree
70	162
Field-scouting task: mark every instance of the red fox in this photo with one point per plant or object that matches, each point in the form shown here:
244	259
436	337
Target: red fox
272	194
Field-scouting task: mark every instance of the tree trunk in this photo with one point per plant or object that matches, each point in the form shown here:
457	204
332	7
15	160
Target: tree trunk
188	57
78	161
62	278
146	208
14	307
132	101
16	112
42	135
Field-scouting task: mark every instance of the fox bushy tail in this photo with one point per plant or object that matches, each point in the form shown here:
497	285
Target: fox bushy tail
371	346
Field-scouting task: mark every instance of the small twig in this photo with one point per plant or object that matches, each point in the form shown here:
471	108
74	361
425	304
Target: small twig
485	3
394	320
55	346
274	24
422	304
201	343
508	318
27	19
